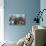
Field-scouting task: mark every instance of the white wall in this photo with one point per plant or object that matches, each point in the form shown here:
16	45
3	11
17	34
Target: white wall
1	20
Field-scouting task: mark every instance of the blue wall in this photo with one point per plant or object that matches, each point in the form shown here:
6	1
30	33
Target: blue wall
43	6
27	7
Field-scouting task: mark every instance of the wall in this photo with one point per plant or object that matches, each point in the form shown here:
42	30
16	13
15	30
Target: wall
1	20
27	7
43	6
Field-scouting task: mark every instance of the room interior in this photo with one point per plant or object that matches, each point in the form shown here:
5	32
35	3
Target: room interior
22	23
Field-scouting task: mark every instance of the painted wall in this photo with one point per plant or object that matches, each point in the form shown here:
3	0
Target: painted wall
43	6
27	7
1	20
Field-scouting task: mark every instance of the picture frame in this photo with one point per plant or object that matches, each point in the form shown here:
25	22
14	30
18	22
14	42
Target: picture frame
17	19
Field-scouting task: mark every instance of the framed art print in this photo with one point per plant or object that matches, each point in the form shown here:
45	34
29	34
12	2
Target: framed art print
17	19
